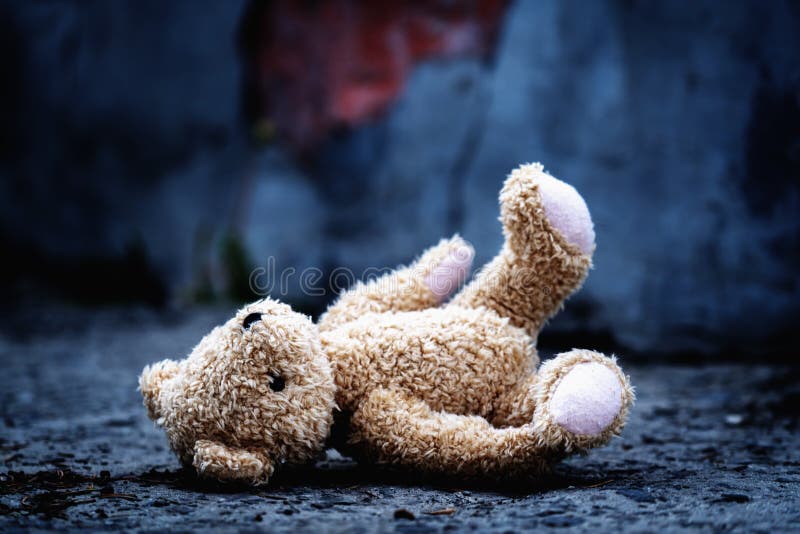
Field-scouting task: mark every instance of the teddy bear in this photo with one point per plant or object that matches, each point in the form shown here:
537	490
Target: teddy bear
416	371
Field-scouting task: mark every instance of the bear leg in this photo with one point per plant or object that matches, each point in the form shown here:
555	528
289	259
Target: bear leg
549	241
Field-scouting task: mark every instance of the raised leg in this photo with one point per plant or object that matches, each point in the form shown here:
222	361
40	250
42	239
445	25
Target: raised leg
430	280
215	460
546	255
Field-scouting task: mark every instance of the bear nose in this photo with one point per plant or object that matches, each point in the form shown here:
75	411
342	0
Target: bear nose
250	319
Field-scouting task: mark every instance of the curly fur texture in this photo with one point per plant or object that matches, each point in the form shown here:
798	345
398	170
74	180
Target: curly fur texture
450	388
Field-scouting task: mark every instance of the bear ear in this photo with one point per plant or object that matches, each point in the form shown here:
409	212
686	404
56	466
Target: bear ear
150	384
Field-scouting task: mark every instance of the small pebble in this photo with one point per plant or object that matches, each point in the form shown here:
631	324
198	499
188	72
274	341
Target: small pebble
734	419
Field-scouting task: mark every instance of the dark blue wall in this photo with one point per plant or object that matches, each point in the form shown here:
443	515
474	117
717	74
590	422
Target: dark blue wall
123	144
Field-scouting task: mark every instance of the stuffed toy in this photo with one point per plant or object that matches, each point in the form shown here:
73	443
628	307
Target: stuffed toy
414	374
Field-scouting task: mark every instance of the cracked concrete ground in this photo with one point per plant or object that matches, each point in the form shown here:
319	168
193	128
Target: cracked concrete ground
712	447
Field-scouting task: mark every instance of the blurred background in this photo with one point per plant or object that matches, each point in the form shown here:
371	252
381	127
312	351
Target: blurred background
156	153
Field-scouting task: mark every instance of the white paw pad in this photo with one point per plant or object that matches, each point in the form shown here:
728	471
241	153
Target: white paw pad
446	277
567	211
587	400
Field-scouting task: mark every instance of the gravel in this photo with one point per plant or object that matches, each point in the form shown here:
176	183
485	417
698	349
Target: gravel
709	447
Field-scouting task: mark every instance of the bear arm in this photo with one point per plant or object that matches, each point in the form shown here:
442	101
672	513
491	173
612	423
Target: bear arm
215	460
426	283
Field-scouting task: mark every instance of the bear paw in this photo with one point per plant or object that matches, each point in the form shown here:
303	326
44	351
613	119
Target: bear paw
566	211
587	400
450	272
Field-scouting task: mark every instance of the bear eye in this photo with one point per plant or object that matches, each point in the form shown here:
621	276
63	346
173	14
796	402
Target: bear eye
250	319
278	383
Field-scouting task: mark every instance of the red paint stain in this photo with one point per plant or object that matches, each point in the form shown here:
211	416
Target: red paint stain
311	67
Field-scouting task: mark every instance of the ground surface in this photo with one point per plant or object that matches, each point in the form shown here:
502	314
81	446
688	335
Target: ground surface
709	447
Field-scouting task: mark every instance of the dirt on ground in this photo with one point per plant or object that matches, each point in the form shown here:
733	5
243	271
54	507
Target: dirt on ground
709	447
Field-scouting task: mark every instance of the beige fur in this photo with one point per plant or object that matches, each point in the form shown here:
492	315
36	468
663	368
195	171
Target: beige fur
450	388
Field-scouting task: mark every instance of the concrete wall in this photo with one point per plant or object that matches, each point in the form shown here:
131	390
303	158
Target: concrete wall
680	124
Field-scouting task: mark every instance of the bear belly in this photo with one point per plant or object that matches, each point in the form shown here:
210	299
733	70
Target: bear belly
457	360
